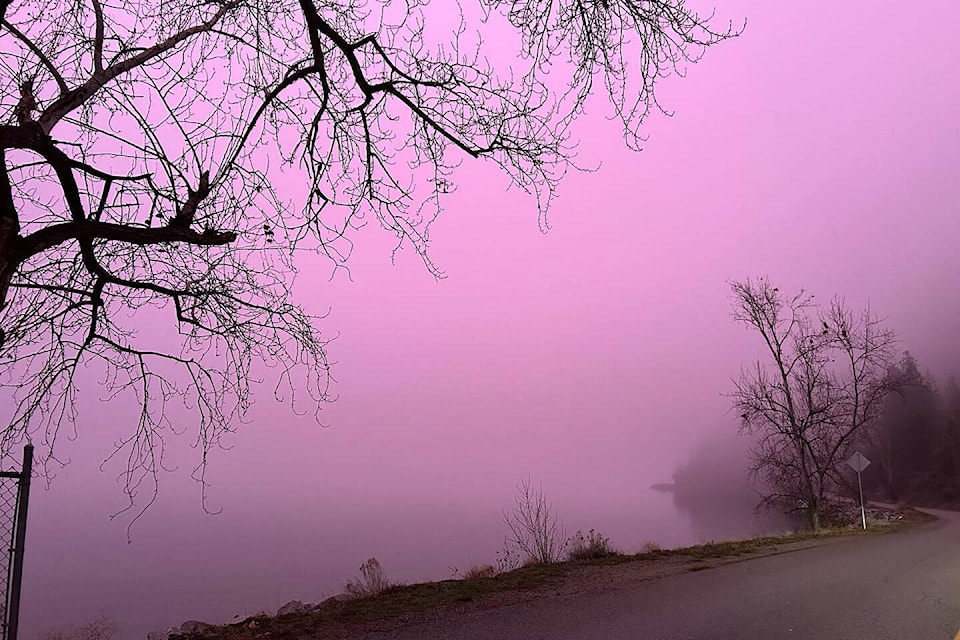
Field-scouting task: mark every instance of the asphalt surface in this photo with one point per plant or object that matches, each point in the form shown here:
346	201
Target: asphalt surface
900	586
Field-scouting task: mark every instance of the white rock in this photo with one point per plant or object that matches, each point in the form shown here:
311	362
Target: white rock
332	600
294	606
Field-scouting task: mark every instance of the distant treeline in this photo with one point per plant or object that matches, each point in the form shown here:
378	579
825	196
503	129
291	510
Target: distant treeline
914	447
714	490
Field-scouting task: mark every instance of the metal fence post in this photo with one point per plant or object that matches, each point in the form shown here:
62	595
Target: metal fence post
23	499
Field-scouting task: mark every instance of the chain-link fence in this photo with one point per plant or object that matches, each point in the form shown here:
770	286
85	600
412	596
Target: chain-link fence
9	487
14	494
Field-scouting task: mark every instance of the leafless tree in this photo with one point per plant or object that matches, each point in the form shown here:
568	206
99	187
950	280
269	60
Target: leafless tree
141	144
824	382
533	525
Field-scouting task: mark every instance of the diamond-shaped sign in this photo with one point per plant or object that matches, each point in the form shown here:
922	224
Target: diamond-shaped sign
858	461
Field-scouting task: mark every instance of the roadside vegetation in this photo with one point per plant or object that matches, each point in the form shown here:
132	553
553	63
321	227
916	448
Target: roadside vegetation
592	546
372	581
370	602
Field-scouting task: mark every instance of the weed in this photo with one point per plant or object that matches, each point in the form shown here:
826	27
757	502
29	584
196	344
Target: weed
508	558
589	547
476	572
372	581
649	546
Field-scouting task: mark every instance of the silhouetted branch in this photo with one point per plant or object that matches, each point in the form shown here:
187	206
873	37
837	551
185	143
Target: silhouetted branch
140	146
824	383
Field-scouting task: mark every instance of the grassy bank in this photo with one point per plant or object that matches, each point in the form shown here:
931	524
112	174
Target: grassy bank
397	606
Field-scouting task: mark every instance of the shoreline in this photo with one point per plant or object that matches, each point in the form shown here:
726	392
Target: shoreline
402	605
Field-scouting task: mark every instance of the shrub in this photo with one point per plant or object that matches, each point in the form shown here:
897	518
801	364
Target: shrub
589	547
508	558
476	572
372	581
650	547
533	526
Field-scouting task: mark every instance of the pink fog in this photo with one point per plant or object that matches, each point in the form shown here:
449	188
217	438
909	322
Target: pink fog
819	148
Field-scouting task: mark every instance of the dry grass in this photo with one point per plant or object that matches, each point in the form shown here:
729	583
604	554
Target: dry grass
372	581
477	572
592	546
649	546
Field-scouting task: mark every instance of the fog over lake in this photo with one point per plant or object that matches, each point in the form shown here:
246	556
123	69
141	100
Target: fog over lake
264	550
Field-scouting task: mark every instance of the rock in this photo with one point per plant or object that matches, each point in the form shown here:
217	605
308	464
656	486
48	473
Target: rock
194	626
158	635
332	600
294	606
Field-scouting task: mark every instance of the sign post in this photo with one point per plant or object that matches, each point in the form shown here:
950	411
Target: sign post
14	527
859	462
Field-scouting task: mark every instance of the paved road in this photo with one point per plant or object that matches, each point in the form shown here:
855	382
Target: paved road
901	586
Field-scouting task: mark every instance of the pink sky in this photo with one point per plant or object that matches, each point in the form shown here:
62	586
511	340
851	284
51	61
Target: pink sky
821	149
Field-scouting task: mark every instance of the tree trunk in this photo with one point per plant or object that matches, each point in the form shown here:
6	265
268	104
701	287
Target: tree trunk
9	234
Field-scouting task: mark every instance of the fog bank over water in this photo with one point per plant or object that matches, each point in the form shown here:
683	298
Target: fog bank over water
713	489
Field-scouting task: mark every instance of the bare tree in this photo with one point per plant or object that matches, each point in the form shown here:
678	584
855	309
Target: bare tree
140	147
824	382
533	525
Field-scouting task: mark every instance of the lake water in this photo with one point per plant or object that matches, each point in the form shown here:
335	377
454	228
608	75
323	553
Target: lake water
183	564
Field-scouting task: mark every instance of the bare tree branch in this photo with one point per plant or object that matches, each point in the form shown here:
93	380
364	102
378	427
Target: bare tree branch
807	410
140	148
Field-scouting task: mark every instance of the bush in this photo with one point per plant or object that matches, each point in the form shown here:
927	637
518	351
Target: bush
372	581
508	558
533	526
590	547
476	572
650	547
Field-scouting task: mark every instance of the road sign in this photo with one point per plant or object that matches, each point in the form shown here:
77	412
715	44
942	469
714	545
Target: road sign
858	461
